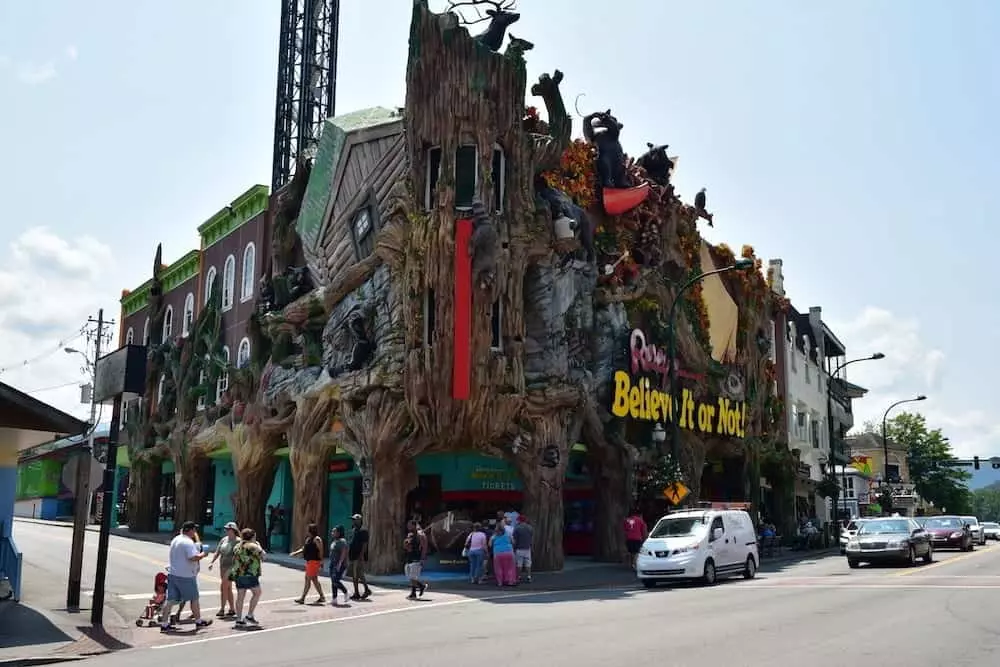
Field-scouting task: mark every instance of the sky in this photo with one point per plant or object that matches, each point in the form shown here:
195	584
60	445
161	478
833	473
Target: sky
854	140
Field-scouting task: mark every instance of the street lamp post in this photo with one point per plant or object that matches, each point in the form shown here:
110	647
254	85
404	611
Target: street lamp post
740	264
885	440
830	437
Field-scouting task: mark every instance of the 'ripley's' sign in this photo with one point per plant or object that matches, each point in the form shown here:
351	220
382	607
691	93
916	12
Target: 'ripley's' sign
636	396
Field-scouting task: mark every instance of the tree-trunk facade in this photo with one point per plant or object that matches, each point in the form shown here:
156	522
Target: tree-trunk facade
144	494
190	486
310	446
385	512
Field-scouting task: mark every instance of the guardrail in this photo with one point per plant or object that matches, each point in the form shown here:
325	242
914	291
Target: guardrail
10	563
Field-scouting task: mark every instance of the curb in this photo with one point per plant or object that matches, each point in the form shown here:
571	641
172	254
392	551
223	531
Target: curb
48	660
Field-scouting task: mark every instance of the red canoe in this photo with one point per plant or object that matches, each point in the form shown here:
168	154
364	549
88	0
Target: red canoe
623	200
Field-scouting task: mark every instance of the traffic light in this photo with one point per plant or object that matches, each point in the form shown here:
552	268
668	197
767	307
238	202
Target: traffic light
975	462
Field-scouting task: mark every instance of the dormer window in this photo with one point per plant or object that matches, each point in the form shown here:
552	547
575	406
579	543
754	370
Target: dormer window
363	228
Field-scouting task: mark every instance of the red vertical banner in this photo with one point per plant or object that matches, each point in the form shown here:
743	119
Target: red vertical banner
461	377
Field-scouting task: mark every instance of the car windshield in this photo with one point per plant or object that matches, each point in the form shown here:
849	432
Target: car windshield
678	526
971	520
944	522
883	527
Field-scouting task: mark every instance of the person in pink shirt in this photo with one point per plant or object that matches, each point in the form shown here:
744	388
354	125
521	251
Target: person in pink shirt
475	547
635	534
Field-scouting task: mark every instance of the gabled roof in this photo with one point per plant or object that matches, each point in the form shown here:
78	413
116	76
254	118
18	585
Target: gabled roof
321	188
20	411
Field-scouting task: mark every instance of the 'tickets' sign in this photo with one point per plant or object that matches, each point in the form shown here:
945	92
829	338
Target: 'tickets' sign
636	396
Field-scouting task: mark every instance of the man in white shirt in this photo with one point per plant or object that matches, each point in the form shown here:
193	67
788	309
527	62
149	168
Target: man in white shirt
182	580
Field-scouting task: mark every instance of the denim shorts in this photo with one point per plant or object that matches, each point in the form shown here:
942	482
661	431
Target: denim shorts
182	589
247	582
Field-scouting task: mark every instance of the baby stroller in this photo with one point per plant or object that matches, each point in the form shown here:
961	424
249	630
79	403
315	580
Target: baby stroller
151	614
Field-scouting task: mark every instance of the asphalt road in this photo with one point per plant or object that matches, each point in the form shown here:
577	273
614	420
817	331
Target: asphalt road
818	612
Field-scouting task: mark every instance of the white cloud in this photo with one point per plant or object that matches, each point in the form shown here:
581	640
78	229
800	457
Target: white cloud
34	74
71	52
912	367
49	286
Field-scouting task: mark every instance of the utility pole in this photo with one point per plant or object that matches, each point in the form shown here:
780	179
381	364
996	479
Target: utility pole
81	507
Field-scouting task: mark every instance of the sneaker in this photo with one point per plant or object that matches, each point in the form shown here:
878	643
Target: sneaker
356	597
252	620
423	589
167	627
300	601
411	596
240	623
367	594
221	613
203	623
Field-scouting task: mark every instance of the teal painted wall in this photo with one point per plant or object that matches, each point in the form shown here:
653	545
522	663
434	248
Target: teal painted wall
225	489
166	526
341	498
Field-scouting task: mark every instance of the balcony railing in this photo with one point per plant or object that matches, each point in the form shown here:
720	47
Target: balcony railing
10	563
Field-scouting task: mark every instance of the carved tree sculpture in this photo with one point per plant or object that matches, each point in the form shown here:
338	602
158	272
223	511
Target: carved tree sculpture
458	94
144	456
194	366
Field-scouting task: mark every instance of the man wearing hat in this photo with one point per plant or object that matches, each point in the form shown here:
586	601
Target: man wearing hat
357	554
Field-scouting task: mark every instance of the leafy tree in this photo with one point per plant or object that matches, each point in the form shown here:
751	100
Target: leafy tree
931	463
986	503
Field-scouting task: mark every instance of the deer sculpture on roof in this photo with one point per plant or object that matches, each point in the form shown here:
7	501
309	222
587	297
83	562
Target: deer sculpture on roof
500	17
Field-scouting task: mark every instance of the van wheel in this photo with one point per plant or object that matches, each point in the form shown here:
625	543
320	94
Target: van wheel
750	569
708	577
649	583
911	558
853	564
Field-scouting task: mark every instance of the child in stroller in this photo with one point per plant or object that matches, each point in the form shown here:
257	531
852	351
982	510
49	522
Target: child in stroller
151	613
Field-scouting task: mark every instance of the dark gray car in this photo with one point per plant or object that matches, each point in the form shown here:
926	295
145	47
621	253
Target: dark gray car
896	539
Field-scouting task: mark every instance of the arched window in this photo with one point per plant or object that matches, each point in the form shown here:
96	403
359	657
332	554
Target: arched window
145	332
223	382
228	282
243	354
159	388
168	323
209	283
201	398
129	336
249	260
188	315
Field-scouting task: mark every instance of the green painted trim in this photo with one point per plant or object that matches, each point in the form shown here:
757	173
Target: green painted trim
122	459
221	453
282	453
174	275
181	271
242	209
136	300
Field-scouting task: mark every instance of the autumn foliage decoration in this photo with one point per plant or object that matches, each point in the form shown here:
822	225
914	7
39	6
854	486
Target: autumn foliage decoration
577	175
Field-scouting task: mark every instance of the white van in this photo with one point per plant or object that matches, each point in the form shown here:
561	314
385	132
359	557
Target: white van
700	544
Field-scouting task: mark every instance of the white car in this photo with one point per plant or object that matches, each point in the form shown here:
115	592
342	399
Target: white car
847	532
976	528
991	530
700	544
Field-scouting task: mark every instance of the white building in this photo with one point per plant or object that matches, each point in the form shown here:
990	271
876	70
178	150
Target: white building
856	496
811	352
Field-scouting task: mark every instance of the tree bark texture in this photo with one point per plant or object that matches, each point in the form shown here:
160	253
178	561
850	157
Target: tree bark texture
610	461
310	445
190	483
377	427
144	494
385	513
461	93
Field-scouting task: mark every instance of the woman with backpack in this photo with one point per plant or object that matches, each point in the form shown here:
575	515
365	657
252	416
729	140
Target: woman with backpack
312	552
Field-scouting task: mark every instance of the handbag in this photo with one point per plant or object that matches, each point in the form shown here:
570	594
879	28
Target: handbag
465	552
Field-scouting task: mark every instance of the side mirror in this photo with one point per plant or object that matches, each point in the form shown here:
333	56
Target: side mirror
717	534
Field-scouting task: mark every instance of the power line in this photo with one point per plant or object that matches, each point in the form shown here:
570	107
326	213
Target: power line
53	387
62	343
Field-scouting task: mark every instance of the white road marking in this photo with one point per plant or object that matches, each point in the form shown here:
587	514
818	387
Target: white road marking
864	586
383	612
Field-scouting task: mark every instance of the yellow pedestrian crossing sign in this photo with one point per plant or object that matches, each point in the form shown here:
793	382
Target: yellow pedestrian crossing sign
676	493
